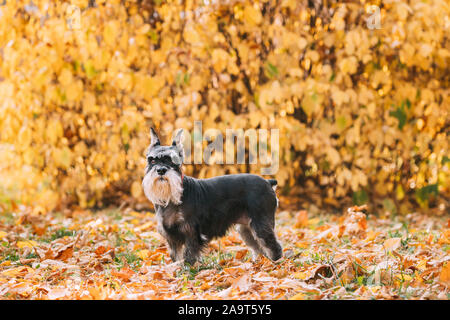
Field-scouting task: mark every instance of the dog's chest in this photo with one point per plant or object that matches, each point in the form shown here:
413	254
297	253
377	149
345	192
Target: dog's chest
169	220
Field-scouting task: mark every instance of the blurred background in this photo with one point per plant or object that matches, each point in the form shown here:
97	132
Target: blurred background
359	91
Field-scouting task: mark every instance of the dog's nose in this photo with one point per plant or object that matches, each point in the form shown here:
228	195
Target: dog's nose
161	171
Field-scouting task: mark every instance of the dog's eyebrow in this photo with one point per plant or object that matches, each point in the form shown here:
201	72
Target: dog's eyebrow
168	153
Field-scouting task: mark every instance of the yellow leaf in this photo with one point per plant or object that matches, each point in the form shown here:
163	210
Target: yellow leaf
136	189
2	234
371	235
26	243
143	227
392	244
403	277
219	60
301	275
313	221
374	289
143	254
110	32
252	15
191	35
422	265
298	296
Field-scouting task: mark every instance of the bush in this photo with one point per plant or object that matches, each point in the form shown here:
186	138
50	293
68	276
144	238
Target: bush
362	112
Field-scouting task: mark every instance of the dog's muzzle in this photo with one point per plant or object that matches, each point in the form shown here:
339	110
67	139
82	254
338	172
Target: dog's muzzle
162	186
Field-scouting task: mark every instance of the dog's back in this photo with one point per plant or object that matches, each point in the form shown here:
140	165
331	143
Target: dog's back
248	189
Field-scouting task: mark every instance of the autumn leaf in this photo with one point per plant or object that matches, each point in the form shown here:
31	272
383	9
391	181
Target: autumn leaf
445	273
301	219
26	244
298	296
124	274
65	254
392	244
362	117
143	254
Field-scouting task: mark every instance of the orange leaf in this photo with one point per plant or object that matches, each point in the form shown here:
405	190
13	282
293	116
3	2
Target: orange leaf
125	274
445	273
241	253
301	219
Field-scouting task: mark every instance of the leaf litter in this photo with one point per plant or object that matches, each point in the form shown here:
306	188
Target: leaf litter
118	254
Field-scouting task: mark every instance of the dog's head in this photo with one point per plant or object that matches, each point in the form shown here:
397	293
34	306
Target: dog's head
162	182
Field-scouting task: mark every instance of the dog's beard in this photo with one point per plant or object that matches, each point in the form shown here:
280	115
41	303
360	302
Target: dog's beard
163	189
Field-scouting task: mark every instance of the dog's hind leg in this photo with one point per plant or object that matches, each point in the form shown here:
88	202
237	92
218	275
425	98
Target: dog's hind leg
264	233
246	235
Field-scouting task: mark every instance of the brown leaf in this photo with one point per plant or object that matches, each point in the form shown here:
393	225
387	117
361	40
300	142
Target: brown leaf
65	254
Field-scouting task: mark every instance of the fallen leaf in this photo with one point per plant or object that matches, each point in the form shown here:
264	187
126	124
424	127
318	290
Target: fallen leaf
392	244
17	272
445	273
26	243
301	219
57	293
298	296
241	254
301	275
124	274
65	254
143	254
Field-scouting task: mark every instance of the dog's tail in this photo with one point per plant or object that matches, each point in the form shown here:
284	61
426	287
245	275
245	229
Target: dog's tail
273	183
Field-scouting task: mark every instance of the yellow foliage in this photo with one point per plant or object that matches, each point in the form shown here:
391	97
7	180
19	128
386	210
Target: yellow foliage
357	108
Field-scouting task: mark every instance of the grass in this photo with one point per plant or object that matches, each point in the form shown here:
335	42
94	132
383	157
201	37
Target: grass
128	257
61	233
211	261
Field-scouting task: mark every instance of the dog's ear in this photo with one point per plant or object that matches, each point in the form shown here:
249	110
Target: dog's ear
178	138
178	142
155	139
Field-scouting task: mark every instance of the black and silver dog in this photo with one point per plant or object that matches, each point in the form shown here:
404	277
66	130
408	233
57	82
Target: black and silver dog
191	211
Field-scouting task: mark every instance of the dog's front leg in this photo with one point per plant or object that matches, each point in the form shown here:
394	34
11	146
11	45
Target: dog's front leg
175	249
192	250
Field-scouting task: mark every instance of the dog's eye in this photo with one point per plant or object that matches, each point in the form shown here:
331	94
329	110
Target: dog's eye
151	160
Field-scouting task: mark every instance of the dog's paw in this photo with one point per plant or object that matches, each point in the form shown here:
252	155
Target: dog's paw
254	256
191	262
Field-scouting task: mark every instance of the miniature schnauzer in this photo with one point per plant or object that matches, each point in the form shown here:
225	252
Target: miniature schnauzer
191	212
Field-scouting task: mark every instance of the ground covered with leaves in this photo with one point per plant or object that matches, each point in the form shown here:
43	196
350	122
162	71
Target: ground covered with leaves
117	254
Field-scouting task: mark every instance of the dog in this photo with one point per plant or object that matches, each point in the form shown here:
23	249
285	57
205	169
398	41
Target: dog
191	212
